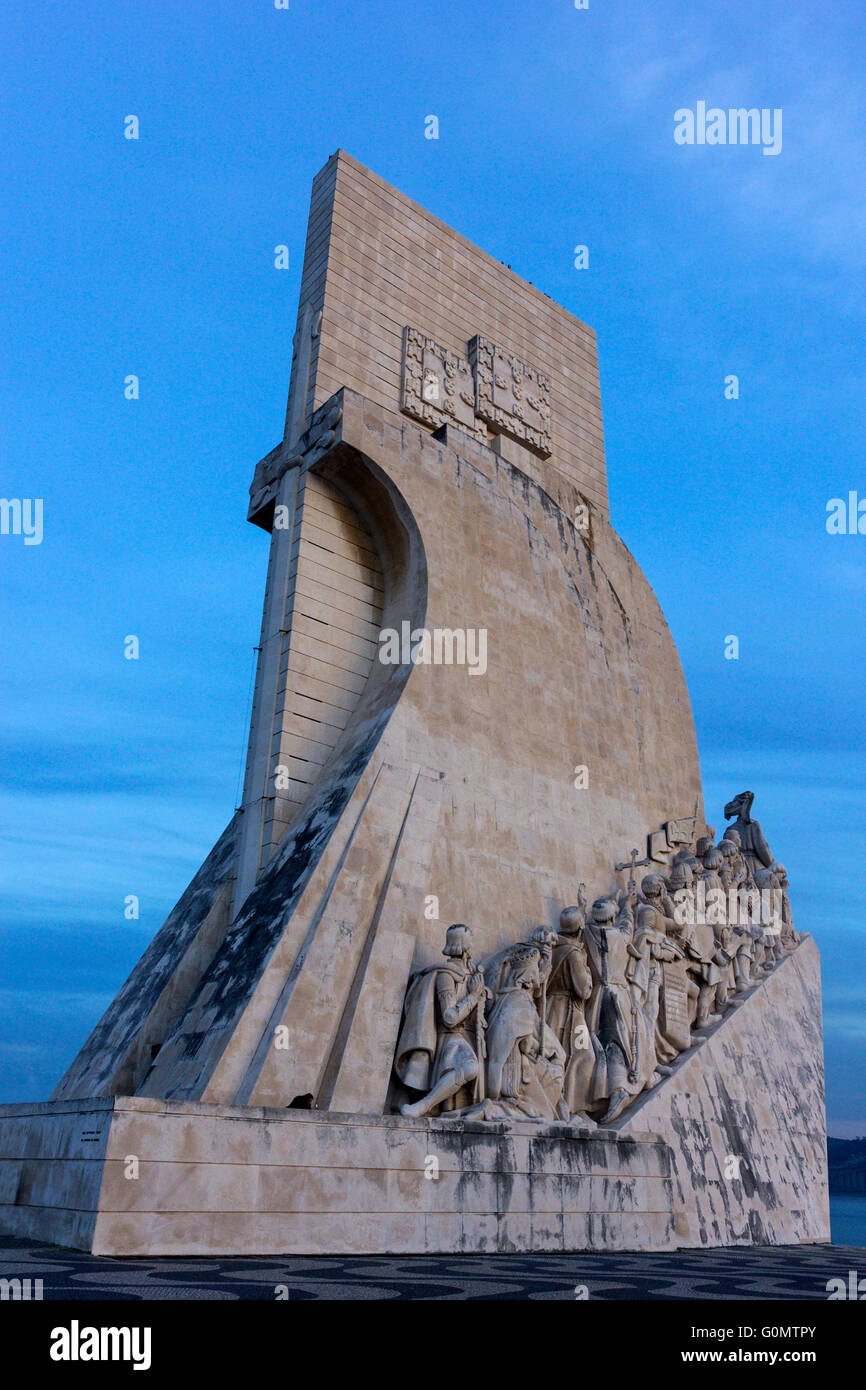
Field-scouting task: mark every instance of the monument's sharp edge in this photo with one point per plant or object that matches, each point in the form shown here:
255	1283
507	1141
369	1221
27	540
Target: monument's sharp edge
392	263
120	1050
52	1165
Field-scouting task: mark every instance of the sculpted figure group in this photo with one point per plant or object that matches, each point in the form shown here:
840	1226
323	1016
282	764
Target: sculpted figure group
574	1024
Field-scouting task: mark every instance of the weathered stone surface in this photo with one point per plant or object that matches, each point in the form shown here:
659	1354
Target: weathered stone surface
218	1179
511	397
438	386
225	1180
513	834
751	1092
120	1051
52	1159
376	262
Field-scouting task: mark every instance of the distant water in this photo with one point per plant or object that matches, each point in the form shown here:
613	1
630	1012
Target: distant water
848	1219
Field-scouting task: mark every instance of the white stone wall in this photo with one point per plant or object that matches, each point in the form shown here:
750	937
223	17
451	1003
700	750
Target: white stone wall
752	1091
218	1180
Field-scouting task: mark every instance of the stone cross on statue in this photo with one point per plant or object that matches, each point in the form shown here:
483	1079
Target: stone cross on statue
631	864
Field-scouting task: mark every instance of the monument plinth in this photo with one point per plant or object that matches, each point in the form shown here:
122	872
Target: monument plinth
468	708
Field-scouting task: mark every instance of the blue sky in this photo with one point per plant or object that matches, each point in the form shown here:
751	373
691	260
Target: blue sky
155	257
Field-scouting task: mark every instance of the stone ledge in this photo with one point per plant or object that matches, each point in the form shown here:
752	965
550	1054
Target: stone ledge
214	1179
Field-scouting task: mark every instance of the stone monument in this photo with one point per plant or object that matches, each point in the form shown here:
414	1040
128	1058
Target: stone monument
383	1016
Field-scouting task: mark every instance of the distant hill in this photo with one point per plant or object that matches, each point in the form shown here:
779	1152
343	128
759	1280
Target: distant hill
847	1164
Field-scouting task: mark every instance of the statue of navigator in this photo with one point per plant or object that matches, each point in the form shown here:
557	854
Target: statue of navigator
752	845
569	988
441	1044
626	1061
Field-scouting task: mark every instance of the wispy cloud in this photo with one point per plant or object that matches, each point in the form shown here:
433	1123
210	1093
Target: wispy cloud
813	195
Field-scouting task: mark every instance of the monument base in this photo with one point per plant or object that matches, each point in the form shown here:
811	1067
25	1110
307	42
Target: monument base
728	1150
221	1180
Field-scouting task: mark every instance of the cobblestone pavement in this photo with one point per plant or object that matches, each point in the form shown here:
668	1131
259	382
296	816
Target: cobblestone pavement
775	1272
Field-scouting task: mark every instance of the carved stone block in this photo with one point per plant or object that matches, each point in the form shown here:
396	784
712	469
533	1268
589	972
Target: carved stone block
679	832
658	848
438	388
674	1011
510	396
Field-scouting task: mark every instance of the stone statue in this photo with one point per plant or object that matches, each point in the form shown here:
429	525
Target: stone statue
790	938
680	884
697	937
713	863
654	893
744	951
732	870
682	856
577	1023
660	914
544	939
569	987
753	846
441	1041
724	955
698	943
704	844
741	870
627	1058
764	924
650	949
770	917
691	858
752	927
525	1060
